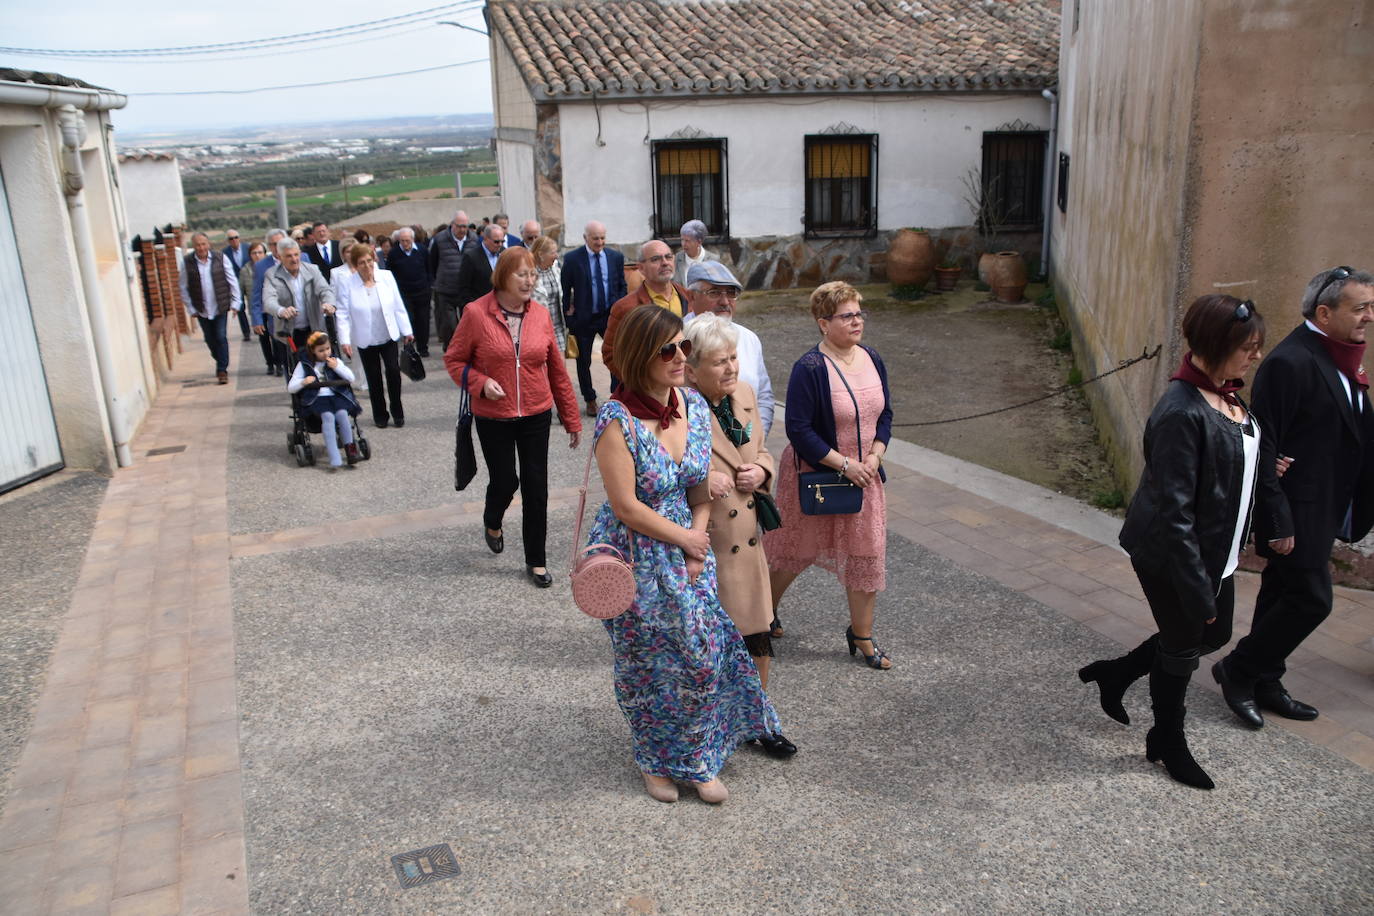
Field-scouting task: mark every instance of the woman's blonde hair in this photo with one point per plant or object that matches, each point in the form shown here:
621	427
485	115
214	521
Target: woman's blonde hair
710	333
830	296
542	245
643	332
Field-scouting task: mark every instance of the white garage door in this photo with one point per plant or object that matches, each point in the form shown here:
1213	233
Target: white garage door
28	432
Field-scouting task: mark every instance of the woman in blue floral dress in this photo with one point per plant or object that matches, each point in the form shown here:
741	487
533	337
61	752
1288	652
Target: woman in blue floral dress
683	676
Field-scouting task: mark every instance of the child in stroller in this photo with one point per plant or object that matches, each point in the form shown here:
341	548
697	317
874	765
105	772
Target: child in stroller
322	382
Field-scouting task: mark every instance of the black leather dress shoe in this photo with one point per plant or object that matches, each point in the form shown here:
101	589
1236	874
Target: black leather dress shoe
382	424
398	422
1242	702
542	580
777	746
1276	699
495	544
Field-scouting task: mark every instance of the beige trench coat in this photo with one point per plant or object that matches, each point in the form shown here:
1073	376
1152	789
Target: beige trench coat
734	529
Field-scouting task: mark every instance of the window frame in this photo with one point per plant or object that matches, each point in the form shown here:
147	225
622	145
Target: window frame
1035	177
870	228
657	228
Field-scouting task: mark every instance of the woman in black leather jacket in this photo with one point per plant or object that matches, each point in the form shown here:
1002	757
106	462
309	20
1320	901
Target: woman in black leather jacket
1208	470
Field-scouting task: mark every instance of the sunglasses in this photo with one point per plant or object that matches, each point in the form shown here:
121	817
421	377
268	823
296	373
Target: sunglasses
1245	310
233	238
1339	273
667	351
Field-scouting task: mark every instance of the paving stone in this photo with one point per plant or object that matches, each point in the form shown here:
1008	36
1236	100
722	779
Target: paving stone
149	856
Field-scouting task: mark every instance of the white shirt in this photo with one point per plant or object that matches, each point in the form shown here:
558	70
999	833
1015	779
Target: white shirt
749	349
1247	486
207	285
297	381
298	290
1345	382
324	253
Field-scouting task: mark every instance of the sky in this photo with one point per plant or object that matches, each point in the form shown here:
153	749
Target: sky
108	25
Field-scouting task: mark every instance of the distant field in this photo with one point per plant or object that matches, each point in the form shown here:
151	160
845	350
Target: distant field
375	191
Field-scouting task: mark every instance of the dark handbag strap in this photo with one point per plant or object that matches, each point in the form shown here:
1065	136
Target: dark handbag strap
858	430
464	399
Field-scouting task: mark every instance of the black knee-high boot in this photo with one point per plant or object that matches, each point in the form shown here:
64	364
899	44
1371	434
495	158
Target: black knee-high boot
1115	675
1166	742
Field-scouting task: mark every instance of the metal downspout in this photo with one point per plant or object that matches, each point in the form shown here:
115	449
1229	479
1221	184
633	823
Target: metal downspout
1051	170
73	126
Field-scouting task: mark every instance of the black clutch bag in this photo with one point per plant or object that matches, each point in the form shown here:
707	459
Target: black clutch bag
464	455
411	364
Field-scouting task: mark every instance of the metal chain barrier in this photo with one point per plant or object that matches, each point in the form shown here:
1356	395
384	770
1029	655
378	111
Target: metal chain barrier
1145	354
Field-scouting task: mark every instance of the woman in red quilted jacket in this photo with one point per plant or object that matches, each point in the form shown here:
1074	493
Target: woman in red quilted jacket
506	347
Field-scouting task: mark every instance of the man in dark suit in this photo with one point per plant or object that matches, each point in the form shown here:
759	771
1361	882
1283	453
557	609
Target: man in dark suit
445	257
237	253
1310	396
410	266
322	251
593	279
474	273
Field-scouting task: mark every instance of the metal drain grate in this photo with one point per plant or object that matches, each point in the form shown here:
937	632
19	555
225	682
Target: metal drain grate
425	866
166	450
196	383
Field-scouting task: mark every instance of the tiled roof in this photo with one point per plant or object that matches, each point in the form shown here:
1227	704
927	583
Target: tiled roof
140	155
11	75
569	49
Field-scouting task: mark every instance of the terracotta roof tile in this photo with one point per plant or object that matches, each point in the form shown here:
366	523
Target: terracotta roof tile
571	48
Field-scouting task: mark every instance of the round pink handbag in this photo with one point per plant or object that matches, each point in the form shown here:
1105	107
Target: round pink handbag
603	583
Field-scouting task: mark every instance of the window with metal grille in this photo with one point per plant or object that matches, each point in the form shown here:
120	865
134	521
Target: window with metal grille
841	185
689	183
1014	178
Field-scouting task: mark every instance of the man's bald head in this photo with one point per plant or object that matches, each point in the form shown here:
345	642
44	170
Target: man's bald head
595	237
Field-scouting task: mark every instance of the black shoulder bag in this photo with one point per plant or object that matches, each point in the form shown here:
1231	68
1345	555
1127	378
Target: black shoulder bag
830	492
465	457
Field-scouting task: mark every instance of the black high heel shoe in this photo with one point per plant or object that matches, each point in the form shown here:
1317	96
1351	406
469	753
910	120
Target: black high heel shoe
875	660
495	544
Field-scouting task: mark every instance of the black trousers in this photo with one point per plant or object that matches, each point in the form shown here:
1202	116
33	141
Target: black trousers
586	337
375	361
1183	638
243	321
417	307
503	441
448	311
268	351
1292	602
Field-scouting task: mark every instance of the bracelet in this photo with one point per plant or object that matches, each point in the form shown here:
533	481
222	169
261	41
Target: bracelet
844	467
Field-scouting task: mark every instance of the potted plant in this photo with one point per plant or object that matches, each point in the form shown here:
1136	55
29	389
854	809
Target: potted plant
910	258
988	217
947	274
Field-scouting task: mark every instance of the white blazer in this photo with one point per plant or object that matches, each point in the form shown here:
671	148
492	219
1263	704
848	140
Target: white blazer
393	306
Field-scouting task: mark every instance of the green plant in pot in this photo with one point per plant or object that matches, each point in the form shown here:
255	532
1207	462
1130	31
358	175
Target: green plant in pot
947	274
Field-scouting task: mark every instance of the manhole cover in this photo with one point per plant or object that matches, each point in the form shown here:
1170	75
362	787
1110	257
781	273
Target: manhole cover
166	450
423	866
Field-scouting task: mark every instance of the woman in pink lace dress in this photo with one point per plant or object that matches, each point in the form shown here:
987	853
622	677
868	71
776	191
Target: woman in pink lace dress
839	418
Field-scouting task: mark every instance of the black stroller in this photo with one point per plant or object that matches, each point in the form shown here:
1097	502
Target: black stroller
304	424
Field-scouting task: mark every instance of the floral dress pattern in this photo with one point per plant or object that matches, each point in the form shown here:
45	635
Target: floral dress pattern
683	677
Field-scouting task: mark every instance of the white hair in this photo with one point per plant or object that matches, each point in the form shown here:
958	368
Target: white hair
694	228
287	244
396	236
273	234
709	333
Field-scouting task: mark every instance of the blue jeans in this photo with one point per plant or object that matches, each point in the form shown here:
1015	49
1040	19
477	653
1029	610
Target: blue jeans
215	339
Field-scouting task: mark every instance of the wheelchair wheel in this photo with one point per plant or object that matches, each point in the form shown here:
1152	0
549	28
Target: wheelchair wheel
309	453
301	456
364	448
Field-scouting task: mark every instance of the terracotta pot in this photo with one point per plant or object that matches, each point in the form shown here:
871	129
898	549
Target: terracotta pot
910	258
947	277
633	279
985	262
1007	276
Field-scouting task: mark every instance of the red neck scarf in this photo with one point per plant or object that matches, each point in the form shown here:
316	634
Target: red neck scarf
1348	357
1194	376
643	407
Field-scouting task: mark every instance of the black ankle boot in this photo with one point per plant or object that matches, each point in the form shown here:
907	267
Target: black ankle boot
1166	743
1114	676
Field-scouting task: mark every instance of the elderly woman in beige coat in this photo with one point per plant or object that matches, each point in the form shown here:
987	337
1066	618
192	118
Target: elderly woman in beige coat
741	473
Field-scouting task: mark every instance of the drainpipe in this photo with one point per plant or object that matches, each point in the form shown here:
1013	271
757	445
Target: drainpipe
73	126
1051	170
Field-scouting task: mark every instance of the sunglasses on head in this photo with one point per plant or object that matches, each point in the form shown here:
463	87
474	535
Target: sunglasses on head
1245	310
666	351
1339	273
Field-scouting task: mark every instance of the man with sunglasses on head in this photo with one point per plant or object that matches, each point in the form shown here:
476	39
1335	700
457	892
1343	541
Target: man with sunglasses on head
713	288
1310	394
658	288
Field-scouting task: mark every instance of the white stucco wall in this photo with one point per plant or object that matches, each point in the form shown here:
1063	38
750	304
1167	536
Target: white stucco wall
152	194
515	164
30	145
925	146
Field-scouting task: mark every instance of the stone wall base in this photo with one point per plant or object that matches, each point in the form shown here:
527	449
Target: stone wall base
790	261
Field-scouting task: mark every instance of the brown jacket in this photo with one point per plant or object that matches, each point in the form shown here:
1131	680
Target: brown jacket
734	528
620	310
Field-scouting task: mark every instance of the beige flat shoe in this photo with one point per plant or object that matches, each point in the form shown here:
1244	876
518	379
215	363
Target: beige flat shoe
713	792
660	788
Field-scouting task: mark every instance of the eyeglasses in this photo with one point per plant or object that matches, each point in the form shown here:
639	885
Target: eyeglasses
849	317
728	292
668	350
658	259
1245	310
1339	273
526	275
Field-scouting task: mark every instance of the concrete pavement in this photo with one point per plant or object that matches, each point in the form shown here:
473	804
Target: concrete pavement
271	680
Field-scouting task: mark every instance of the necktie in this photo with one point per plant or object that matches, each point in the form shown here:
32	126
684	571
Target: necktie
598	294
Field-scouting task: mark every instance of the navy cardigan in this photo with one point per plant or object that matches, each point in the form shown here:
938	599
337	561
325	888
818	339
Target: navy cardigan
811	419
